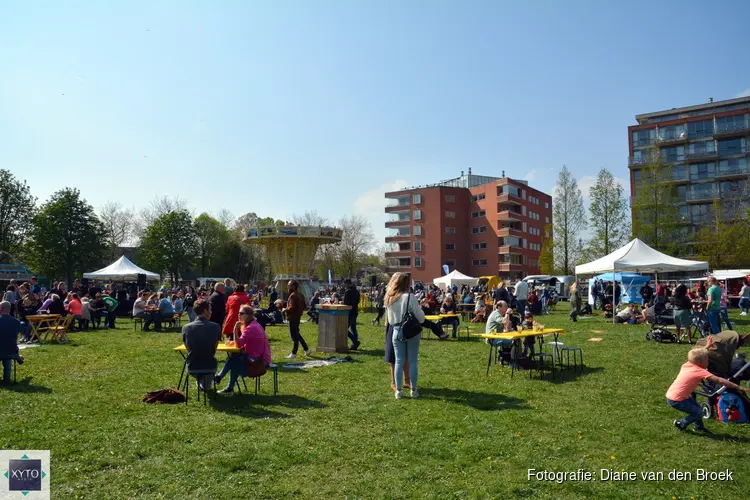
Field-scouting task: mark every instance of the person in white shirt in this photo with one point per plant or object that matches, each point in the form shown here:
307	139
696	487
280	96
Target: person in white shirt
521	292
744	299
397	300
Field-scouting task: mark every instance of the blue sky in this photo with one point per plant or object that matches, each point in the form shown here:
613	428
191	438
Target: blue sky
281	107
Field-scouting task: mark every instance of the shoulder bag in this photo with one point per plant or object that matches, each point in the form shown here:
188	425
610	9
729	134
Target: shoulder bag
410	327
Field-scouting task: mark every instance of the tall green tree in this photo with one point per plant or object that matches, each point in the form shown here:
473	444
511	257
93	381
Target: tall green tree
656	213
723	242
212	238
17	209
609	219
169	244
547	255
67	238
568	218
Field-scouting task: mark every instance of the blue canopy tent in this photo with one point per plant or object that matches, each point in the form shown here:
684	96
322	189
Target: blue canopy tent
630	283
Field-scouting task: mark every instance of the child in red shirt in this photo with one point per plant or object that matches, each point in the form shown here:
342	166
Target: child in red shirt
679	395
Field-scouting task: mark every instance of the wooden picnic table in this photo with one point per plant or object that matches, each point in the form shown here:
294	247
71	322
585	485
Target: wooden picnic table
40	323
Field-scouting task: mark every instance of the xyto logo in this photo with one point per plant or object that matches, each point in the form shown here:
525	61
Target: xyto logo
25	475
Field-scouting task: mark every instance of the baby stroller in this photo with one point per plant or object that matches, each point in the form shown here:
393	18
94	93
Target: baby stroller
700	320
659	321
722	363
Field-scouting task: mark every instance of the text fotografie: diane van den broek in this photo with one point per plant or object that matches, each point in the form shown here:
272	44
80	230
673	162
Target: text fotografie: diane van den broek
621	475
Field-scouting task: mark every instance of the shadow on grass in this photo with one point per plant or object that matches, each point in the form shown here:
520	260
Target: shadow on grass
479	400
569	374
249	405
723	437
25	386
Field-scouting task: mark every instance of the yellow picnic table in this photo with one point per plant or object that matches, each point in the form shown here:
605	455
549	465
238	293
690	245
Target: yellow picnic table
182	349
516	338
438	318
41	323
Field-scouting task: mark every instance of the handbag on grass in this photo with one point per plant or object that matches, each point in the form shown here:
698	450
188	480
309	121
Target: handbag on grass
410	327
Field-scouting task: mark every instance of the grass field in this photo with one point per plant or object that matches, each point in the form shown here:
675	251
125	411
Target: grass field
338	432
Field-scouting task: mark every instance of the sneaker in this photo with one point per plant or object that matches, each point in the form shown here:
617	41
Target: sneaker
399	395
743	313
354	346
445	336
308	352
677	424
291	356
414	394
20	360
226	390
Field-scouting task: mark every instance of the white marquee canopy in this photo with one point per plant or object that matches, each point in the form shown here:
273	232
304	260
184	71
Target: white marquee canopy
638	257
121	269
454	278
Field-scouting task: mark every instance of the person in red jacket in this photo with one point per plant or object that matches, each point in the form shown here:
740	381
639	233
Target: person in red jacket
234	302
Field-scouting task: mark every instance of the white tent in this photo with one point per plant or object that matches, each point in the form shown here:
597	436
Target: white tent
638	257
121	269
454	278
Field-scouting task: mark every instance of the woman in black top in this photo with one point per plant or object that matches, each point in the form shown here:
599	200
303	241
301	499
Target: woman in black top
190	298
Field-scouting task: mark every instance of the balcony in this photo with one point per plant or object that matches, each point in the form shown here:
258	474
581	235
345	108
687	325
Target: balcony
396	204
697	156
731	131
508	199
732	171
508	216
509	231
506	267
702	195
401	263
509	249
637	162
732	151
672	139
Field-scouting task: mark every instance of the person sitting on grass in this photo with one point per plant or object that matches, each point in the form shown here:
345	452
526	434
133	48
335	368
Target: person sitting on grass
10	327
679	394
628	315
201	337
253	342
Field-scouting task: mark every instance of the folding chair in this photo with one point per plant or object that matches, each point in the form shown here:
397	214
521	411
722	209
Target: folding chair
275	369
207	376
60	329
15	362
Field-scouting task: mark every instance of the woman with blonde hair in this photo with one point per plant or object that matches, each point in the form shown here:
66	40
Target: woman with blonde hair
398	299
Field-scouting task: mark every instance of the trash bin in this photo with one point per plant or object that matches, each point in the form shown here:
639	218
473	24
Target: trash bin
333	324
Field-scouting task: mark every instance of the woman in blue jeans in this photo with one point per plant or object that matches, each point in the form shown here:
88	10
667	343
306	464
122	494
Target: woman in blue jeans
397	301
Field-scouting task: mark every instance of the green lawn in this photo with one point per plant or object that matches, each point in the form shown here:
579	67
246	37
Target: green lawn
338	432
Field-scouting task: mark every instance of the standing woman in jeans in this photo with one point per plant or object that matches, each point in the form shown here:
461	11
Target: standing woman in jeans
397	300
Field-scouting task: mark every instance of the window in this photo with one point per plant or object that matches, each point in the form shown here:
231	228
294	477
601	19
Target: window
546	220
730	123
450	263
731	146
672	132
417	214
416	199
733	166
417	230
479	262
682	193
478	229
450	215
450	198
417	246
479	246
704	128
702	171
450	230
673	154
701	148
546	204
399	231
475	215
679	173
643	137
417	261
480	197
450	246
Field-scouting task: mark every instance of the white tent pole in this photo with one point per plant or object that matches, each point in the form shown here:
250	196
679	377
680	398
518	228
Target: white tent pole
614	290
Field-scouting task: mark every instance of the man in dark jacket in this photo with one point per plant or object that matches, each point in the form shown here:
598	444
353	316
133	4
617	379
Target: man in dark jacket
201	337
218	305
10	327
351	298
294	309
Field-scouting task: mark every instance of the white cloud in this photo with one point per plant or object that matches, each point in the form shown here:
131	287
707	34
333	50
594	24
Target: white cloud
371	205
530	176
744	93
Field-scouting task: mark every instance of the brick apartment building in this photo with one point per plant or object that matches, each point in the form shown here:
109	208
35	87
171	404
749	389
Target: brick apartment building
480	225
704	148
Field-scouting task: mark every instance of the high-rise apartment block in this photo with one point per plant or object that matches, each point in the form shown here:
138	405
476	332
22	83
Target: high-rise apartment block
482	226
705	149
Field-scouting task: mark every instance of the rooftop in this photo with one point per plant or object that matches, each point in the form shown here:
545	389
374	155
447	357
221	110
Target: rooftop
696	110
465	180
